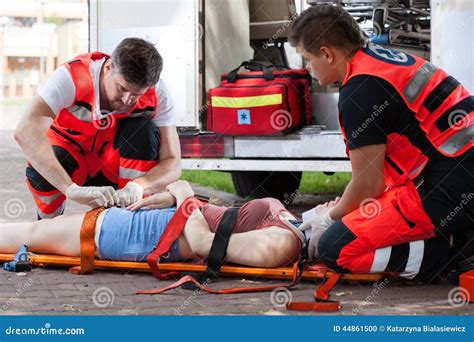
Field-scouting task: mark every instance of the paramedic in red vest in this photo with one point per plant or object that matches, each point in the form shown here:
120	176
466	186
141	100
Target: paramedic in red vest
409	135
112	139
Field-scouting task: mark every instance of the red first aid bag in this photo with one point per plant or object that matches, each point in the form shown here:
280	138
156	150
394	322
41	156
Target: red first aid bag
266	102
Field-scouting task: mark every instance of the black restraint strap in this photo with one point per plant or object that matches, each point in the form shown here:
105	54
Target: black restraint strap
218	249
220	242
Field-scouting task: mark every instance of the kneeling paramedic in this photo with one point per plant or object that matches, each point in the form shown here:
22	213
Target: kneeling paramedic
113	128
408	131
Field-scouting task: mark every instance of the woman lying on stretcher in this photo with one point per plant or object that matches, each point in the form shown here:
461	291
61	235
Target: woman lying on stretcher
263	235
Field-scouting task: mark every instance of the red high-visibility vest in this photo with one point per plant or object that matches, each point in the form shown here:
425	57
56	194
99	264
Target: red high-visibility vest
77	123
442	106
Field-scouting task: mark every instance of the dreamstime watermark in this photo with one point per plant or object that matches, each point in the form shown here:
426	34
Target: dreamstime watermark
103	297
458	296
377	110
46	330
281	119
370	208
14	208
280	296
18	293
464	202
191	298
458	119
190	209
378	287
290	198
278	33
105	123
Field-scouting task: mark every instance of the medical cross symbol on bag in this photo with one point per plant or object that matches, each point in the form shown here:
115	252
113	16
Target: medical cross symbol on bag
243	117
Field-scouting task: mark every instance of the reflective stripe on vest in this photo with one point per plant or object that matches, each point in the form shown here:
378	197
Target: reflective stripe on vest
81	111
419	81
127	173
48	199
459	141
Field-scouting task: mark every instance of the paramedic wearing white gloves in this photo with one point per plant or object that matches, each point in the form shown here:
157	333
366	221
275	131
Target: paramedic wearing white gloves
407	126
101	131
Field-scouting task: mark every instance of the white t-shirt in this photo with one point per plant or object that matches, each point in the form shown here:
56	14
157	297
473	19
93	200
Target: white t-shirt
59	92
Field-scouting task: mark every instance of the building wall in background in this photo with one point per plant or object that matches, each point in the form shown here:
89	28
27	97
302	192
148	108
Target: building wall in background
35	37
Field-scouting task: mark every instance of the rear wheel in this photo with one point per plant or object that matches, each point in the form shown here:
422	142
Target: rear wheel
260	184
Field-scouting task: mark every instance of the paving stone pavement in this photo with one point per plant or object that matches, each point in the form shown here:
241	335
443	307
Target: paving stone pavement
47	291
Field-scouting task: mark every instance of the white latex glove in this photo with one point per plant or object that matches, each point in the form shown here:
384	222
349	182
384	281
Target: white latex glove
94	196
318	225
129	194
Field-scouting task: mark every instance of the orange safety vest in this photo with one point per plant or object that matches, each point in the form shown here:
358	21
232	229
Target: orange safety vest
77	124
442	107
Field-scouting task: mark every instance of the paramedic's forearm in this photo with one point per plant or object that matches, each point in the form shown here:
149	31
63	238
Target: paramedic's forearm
34	143
354	194
156	180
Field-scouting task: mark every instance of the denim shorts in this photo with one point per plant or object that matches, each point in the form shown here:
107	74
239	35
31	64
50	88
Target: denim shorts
131	235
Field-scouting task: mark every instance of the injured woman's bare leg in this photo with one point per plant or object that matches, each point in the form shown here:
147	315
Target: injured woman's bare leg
60	235
265	248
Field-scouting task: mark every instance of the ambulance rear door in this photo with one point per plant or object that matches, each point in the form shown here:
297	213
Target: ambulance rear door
173	25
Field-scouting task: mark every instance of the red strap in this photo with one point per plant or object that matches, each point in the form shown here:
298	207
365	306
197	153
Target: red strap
170	235
322	292
188	278
231	290
321	297
87	242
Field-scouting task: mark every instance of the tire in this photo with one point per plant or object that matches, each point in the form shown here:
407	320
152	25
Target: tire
260	184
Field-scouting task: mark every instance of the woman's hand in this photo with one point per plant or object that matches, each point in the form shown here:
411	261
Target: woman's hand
156	201
180	189
323	208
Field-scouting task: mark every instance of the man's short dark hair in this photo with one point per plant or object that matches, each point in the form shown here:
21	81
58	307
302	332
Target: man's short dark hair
138	62
327	25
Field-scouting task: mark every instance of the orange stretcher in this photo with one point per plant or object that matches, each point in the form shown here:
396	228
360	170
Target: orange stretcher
188	273
86	264
313	272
